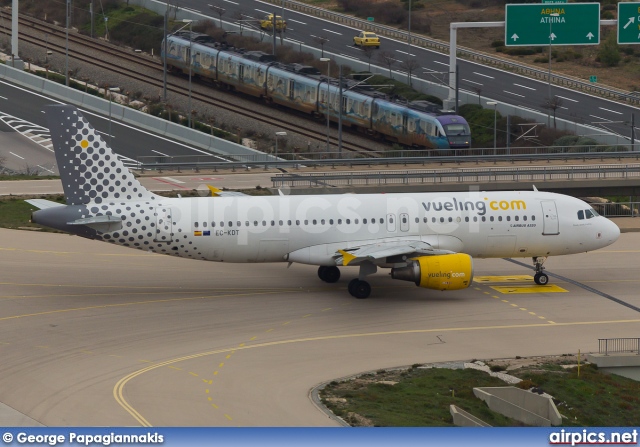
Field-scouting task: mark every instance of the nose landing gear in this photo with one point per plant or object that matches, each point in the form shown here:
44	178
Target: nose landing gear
540	277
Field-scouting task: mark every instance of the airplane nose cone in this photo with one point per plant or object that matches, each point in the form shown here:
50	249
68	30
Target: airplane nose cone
612	232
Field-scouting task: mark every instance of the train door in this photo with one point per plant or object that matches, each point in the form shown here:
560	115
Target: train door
405	123
291	88
344	104
391	223
187	58
241	72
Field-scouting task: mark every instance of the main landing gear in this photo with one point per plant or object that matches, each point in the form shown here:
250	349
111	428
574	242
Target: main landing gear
358	288
540	277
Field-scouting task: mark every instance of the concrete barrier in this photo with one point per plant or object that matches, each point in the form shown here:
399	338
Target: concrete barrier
463	419
524	406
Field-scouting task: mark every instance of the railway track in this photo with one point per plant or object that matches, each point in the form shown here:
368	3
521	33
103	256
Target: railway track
141	68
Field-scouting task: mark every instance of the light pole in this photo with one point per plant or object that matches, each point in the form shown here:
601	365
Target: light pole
328	61
108	90
66	53
494	104
190	56
279	134
409	46
164	51
551	37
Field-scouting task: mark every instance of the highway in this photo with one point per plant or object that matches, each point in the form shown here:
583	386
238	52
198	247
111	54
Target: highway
495	85
93	334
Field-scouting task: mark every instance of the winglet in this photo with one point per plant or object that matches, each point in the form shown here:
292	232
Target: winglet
346	257
214	191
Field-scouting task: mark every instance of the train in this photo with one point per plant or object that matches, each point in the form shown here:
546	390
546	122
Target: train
417	124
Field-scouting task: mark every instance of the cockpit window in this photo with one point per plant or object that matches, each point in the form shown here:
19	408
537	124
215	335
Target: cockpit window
587	214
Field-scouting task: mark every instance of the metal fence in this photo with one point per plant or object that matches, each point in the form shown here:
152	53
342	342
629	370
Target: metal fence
618	345
460	175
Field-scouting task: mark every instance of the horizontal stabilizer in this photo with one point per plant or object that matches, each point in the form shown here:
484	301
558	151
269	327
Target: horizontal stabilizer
103	224
43	203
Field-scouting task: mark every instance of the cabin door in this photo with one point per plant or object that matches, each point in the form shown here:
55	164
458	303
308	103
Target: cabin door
551	225
164	224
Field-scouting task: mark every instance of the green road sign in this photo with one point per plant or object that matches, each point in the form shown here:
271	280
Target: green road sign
629	22
593	78
554	1
557	24
370	19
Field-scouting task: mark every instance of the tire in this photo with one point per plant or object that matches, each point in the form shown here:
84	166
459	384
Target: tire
331	274
352	285
322	273
362	290
541	279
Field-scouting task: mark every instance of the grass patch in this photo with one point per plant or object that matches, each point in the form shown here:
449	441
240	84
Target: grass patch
421	398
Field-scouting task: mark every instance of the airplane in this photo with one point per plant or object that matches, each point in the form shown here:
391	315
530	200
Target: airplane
430	239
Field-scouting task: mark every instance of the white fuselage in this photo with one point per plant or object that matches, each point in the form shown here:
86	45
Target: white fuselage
310	229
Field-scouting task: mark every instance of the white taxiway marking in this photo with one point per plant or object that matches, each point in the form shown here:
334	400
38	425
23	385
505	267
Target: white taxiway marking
264	12
158	152
3	97
524	86
480	74
511	93
600	118
329	31
473	82
194	10
16	155
42	167
404	52
350	57
229	1
441	63
612	111
297	21
172	180
568	99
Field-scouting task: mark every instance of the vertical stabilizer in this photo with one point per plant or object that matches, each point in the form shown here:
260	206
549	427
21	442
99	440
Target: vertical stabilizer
89	169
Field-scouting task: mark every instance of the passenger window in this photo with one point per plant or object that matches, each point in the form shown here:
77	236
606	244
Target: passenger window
306	222
289	222
425	220
391	220
517	218
315	221
355	221
255	223
264	223
484	219
404	220
221	224
491	218
322	221
297	222
364	221
442	220
417	220
533	217
204	224
451	219
280	223
475	218
508	218
195	224
348	221
246	224
230	223
330	221
499	218
433	220
524	218
339	221
273	223
466	219
213	224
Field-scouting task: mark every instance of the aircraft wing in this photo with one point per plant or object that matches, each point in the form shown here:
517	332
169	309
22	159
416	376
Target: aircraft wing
42	203
380	251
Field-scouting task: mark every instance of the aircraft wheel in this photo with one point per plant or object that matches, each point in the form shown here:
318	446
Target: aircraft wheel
322	272
331	274
362	290
352	285
541	279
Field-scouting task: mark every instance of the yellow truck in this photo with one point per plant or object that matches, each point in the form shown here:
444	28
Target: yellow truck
267	23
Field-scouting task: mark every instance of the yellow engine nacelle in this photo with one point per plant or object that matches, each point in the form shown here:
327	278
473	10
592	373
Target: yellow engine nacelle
439	272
